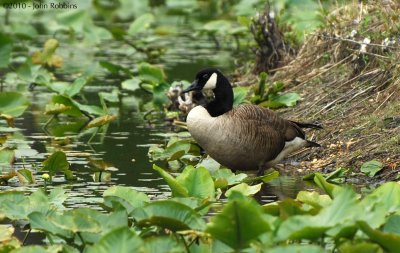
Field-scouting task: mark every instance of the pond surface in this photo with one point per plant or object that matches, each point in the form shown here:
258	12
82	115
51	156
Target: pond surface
122	148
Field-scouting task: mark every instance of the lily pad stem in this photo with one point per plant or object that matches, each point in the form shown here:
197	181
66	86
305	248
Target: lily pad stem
26	236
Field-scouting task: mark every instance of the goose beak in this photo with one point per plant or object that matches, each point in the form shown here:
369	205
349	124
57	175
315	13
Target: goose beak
193	86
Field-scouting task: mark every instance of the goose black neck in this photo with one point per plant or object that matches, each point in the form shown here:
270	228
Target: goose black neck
223	98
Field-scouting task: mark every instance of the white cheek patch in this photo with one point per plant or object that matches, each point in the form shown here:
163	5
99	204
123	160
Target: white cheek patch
211	83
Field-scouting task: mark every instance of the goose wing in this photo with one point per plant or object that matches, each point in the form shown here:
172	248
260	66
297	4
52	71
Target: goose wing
268	122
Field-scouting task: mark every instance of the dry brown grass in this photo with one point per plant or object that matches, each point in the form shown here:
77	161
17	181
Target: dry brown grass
354	94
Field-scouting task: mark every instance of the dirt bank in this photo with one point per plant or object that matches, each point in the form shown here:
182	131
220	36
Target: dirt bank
348	75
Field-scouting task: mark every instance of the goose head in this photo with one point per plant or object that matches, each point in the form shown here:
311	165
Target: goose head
213	79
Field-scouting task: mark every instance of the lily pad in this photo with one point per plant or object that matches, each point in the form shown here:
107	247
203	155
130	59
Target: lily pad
178	190
170	215
57	162
198	182
5	50
245	189
239	223
389	241
141	24
76	87
126	196
371	168
151	73
118	240
13	104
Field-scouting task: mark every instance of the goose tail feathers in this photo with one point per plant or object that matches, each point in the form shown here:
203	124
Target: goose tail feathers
308	125
312	144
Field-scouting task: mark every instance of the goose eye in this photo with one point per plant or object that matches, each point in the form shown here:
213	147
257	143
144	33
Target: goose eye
205	76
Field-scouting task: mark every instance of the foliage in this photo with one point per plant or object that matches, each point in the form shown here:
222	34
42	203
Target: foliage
371	168
12	104
134	222
270	95
57	162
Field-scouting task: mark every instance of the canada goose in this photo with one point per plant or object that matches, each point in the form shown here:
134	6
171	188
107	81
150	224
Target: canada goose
247	137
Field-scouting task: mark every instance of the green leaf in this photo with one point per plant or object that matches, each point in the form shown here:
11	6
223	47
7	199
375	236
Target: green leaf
131	84
114	68
131	198
239	223
78	220
170	215
389	241
329	188
12	204
261	85
271	104
360	247
57	162
229	176
371	168
118	240
386	195
163	244
344	206
112	97
392	225
151	73
13	103
216	26
44	223
295	248
269	176
25	176
244	189
240	94
287	99
314	199
342	210
24	30
47	249
281	100
176	150
178	190
198	182
141	24
74	19
75	87
210	164
6	156
57	196
95	34
381	202
159	98
5	50
91	109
